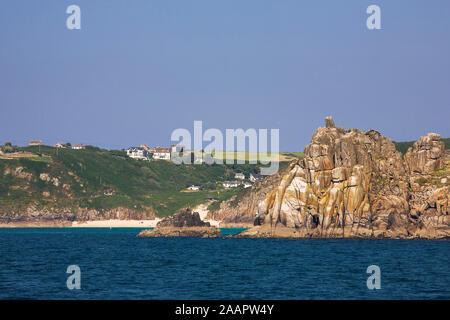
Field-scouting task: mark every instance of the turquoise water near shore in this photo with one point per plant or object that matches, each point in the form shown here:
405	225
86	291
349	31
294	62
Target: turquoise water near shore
225	231
115	264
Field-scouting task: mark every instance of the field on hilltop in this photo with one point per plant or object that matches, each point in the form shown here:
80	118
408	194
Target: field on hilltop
256	156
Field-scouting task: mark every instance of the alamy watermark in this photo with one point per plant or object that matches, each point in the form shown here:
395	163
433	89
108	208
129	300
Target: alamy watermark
374	281
373	22
74	280
254	143
73	21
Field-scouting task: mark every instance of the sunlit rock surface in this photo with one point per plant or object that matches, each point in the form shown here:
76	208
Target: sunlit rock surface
353	183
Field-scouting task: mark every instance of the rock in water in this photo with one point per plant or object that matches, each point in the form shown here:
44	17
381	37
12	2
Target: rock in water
353	183
184	218
203	232
184	223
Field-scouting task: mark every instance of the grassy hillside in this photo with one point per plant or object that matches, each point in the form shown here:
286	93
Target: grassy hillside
403	146
103	179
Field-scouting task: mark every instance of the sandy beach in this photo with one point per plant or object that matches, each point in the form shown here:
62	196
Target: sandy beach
83	224
202	210
113	223
116	224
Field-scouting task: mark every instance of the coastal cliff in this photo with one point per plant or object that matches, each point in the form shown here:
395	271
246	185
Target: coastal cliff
49	185
353	183
34	215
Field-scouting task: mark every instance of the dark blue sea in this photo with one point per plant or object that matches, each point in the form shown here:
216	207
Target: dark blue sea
115	264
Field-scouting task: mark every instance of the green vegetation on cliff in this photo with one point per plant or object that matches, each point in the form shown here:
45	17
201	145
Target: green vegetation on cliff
105	179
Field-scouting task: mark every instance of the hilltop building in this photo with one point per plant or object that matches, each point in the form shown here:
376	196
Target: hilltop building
176	148
78	146
137	153
239	176
161	153
35	143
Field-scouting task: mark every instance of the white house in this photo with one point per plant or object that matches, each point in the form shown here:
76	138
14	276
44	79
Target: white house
239	176
231	184
193	188
256	177
177	151
59	145
175	148
137	153
161	153
78	147
247	185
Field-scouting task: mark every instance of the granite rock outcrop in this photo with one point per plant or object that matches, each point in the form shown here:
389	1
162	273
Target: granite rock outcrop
184	223
183	218
353	183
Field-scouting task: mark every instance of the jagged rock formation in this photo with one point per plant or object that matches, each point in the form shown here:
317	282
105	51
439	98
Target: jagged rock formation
184	223
426	155
184	218
353	183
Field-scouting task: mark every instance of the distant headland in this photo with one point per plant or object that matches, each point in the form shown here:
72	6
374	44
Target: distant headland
346	183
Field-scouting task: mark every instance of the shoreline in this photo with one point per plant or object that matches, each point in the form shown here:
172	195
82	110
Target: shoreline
111	223
101	224
107	224
282	232
83	224
249	233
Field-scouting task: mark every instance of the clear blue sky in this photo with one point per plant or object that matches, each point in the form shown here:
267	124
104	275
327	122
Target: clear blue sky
139	69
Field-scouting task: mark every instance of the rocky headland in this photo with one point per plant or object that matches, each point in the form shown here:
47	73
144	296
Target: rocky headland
184	223
354	184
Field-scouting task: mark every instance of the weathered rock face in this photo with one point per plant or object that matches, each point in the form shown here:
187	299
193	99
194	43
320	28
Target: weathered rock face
35	214
352	182
426	154
183	218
